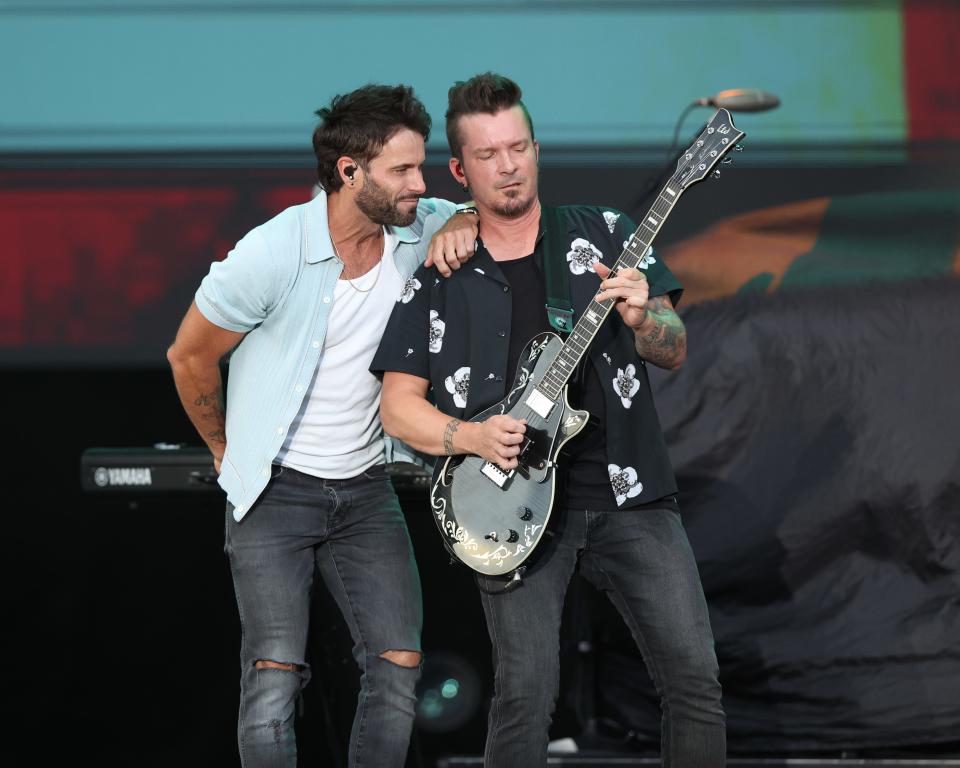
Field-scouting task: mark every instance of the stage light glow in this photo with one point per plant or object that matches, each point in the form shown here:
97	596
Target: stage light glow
448	694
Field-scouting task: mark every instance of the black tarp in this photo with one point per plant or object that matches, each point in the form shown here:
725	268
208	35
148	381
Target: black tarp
816	439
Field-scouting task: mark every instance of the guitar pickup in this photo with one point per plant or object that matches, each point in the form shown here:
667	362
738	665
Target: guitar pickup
495	473
540	403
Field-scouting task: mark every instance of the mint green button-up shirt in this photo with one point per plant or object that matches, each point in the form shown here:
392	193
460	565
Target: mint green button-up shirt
277	287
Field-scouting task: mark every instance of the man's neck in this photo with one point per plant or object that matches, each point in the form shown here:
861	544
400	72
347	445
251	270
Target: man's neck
510	237
348	225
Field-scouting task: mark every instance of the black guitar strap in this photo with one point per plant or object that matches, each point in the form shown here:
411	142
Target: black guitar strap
556	277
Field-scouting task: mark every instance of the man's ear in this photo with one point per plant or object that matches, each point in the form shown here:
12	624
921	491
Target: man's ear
348	169
456	168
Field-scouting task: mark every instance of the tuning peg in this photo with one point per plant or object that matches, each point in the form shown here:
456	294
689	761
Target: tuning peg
738	148
716	174
726	161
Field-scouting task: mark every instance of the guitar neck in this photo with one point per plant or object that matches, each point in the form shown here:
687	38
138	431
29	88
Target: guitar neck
555	378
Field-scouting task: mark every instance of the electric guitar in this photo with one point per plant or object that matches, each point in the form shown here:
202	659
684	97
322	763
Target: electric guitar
492	519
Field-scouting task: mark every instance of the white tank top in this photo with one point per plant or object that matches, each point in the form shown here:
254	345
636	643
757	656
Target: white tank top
337	433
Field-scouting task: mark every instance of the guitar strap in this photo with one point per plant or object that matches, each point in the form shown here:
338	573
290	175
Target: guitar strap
556	277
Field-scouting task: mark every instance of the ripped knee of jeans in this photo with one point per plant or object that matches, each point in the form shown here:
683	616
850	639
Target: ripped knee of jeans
267	664
409	659
300	671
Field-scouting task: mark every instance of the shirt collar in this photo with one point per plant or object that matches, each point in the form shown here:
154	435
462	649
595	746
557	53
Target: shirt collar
316	231
318	245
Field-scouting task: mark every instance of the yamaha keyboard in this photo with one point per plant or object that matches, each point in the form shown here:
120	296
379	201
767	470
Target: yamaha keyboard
175	468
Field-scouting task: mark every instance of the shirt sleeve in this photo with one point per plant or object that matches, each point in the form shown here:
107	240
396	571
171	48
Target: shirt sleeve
662	280
431	206
238	293
405	346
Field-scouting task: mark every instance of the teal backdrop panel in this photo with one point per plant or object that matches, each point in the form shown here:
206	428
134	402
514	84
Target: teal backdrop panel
109	76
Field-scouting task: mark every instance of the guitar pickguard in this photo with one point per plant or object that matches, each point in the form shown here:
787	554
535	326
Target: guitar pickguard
494	526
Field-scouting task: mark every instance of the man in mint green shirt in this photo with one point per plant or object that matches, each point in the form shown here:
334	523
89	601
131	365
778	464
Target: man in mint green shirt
302	301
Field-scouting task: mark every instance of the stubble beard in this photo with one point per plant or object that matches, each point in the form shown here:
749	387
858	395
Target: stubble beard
378	206
514	206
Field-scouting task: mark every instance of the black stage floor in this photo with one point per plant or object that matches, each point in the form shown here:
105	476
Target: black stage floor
620	761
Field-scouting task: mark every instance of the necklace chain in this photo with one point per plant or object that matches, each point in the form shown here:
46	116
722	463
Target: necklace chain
349	281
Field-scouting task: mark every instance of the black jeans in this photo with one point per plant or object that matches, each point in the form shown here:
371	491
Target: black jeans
643	562
353	533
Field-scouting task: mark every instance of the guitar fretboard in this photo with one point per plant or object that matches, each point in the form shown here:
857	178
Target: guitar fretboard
718	138
558	374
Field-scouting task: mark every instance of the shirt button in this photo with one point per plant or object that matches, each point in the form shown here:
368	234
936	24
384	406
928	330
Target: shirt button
316	345
506	289
502	334
241	509
265	472
299	387
326	299
279	430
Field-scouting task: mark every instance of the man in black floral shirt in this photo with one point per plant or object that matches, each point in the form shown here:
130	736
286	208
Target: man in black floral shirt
617	519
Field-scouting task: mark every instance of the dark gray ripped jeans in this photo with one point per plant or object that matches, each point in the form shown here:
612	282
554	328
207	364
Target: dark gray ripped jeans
353	534
642	561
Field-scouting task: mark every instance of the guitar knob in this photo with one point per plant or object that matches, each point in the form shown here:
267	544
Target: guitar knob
524	513
514	536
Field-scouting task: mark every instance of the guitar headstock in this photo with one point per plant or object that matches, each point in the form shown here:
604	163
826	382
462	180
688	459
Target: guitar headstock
718	138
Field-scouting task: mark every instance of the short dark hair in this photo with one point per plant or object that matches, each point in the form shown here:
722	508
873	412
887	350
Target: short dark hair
359	123
488	93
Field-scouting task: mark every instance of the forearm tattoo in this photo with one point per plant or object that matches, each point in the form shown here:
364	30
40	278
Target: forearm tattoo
448	431
666	342
213	403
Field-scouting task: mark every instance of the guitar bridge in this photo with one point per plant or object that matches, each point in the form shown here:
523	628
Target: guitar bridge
497	475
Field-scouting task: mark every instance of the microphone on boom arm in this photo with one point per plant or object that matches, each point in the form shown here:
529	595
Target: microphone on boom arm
741	100
734	99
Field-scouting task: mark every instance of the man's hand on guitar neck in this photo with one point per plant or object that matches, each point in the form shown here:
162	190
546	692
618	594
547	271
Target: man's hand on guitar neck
661	337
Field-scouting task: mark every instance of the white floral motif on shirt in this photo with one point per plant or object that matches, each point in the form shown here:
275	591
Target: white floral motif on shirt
647	259
409	288
582	256
625	385
458	385
625	483
611	218
437	327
